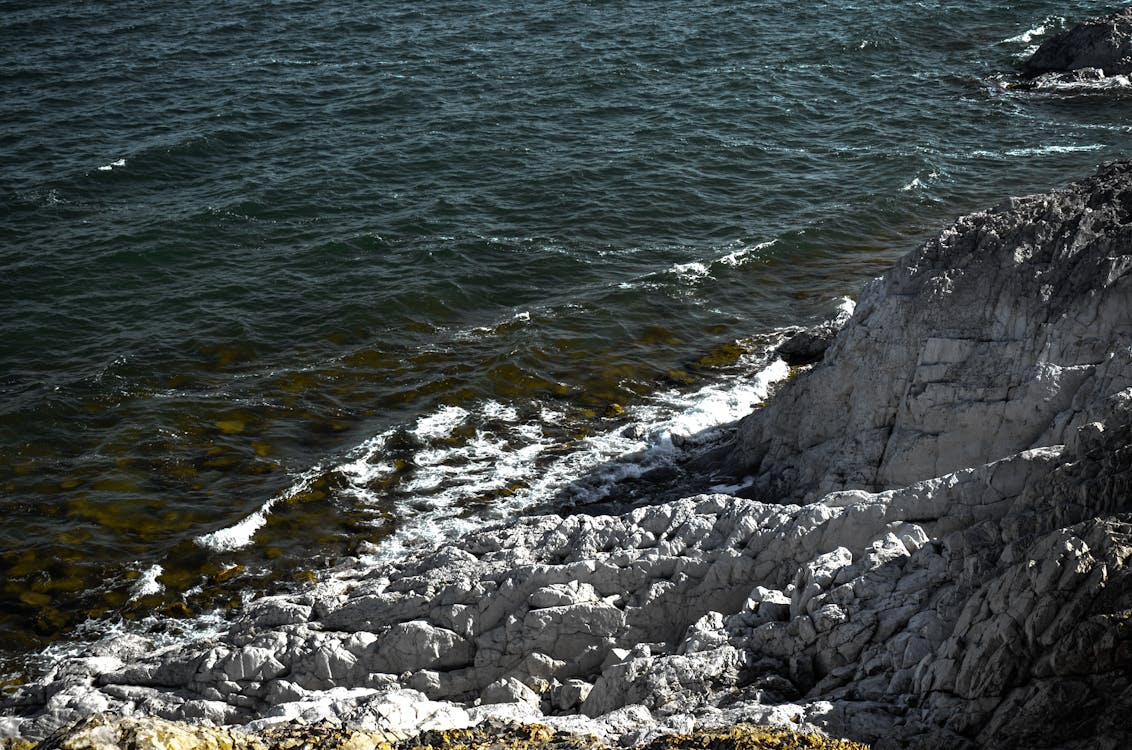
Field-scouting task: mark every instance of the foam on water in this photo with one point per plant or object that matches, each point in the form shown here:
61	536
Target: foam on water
1036	151
690	272
1029	35
440	423
1096	85
242	533
501	458
513	460
745	254
148	584
696	272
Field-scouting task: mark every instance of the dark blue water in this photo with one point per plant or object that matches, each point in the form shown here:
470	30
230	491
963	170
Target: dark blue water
281	280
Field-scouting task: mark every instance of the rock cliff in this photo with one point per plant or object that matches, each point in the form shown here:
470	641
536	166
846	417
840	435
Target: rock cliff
1005	332
936	550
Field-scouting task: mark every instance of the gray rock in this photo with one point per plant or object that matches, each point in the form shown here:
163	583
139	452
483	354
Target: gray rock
1103	44
807	346
1001	334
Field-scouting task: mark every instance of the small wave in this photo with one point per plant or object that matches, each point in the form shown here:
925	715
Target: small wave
515	321
147	584
441	423
745	254
240	534
1036	151
690	272
707	410
520	462
921	182
1028	35
505	461
112	165
1083	85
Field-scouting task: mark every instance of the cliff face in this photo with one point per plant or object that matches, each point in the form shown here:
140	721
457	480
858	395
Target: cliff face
1005	332
960	574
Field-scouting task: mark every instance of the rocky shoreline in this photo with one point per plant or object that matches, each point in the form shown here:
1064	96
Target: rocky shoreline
929	545
935	551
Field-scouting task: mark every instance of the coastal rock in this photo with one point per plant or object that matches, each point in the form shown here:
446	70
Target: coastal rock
1101	44
937	553
1003	333
808	346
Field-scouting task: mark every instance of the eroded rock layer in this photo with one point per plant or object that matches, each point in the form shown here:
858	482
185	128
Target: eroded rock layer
937	552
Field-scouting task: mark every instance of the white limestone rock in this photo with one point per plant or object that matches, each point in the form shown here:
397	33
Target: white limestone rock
1002	334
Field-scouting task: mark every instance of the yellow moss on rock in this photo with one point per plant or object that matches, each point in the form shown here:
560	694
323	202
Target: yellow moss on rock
105	732
750	737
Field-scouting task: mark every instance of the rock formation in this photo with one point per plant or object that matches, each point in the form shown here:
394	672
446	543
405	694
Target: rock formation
1005	332
1094	52
936	550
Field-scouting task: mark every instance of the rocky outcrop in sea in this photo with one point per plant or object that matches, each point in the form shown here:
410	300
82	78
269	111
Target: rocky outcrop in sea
1095	54
932	548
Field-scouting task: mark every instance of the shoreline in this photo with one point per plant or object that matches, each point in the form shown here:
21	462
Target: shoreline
899	605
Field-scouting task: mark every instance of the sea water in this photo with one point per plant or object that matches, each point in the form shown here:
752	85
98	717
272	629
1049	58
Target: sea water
289	282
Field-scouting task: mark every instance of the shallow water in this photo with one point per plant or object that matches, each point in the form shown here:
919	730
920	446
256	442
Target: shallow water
285	282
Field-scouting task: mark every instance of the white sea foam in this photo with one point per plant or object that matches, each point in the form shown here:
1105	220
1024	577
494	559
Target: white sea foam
112	165
361	466
502	461
744	254
1032	36
148	584
440	423
690	272
1102	83
717	405
1028	35
1037	151
511	464
500	411
241	533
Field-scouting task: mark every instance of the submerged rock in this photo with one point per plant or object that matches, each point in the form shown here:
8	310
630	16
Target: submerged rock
938	553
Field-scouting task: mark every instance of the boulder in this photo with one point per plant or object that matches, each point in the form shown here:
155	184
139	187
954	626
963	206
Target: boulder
1101	44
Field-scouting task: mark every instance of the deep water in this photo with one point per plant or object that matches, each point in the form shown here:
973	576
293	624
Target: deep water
294	280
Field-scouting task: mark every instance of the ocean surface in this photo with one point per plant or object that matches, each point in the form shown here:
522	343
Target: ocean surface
289	282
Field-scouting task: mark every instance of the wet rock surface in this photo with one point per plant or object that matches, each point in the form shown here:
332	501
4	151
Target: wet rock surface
1097	53
937	553
1103	43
